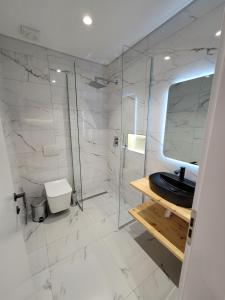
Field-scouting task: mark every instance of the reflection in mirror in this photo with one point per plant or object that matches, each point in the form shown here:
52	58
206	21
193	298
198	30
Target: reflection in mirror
187	110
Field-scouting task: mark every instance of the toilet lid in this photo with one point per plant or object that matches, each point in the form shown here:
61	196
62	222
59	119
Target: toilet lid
57	188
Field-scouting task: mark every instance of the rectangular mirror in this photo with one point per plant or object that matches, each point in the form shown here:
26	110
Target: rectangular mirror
187	110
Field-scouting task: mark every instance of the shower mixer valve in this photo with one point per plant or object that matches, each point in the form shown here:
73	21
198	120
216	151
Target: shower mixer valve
115	141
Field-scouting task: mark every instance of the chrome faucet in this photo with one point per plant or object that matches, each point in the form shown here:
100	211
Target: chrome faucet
181	173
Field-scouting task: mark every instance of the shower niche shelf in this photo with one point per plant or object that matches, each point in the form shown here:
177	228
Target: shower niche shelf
170	232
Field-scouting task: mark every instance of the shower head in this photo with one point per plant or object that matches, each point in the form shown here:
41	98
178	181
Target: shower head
101	82
95	84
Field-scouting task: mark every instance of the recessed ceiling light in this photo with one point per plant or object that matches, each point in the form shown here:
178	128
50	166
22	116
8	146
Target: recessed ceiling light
167	57
218	33
58	71
53	81
87	20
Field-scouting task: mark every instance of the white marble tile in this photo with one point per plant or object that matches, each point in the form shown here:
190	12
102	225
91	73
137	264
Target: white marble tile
132	296
42	286
81	245
38	105
42	138
156	286
39	70
61	248
60	78
122	247
34	236
41	295
134	263
28	93
66	172
139	269
12	65
66	246
25	291
59	94
96	269
60	61
23	47
95	214
38	260
104	228
64	158
59	225
93	120
63	141
101	207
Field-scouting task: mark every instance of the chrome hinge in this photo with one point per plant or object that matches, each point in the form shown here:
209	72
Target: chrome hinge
191	226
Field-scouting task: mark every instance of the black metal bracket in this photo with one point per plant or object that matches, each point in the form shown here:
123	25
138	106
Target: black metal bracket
23	196
18	196
17	210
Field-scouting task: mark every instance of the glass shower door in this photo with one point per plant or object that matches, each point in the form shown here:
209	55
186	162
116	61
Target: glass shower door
75	138
134	113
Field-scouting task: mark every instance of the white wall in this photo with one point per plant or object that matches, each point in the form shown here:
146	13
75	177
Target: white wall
204	266
14	272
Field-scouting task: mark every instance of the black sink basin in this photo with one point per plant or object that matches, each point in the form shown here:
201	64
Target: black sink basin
171	188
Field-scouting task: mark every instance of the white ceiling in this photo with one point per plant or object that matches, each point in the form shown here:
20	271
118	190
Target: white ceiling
116	23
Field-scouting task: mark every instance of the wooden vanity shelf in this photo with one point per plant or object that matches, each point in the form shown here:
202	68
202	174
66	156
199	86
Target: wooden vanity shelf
143	186
170	232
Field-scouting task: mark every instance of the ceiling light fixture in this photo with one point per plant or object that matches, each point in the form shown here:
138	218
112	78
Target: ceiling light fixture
87	20
218	33
58	71
167	57
53	81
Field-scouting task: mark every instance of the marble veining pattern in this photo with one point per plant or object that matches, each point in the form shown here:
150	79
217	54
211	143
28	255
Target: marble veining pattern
84	255
193	52
37	115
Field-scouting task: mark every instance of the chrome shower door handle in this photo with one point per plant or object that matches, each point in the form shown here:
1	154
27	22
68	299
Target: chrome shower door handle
124	147
124	156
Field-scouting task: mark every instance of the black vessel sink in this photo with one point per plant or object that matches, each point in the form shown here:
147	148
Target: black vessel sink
171	188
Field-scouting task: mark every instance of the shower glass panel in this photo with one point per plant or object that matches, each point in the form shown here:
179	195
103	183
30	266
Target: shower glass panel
75	137
134	113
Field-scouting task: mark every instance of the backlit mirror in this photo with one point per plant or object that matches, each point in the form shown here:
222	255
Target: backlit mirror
187	110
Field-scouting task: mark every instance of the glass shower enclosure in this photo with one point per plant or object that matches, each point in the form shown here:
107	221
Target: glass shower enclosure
71	85
136	69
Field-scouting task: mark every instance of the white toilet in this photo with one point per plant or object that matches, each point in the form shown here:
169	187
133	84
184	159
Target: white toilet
58	194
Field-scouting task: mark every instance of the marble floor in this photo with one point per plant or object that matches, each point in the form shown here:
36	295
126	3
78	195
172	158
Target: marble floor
83	256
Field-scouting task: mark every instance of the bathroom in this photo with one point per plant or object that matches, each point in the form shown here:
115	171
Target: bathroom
83	125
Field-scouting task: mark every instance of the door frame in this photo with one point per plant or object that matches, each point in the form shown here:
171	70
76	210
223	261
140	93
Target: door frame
203	270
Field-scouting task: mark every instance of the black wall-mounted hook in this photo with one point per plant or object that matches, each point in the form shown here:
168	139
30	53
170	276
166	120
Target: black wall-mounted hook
17	196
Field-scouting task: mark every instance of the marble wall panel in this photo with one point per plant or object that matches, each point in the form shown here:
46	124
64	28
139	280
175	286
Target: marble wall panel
37	114
189	40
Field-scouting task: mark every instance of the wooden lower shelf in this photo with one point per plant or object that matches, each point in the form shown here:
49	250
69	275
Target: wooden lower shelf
170	232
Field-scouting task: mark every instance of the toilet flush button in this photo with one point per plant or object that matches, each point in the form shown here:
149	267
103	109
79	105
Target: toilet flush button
50	150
